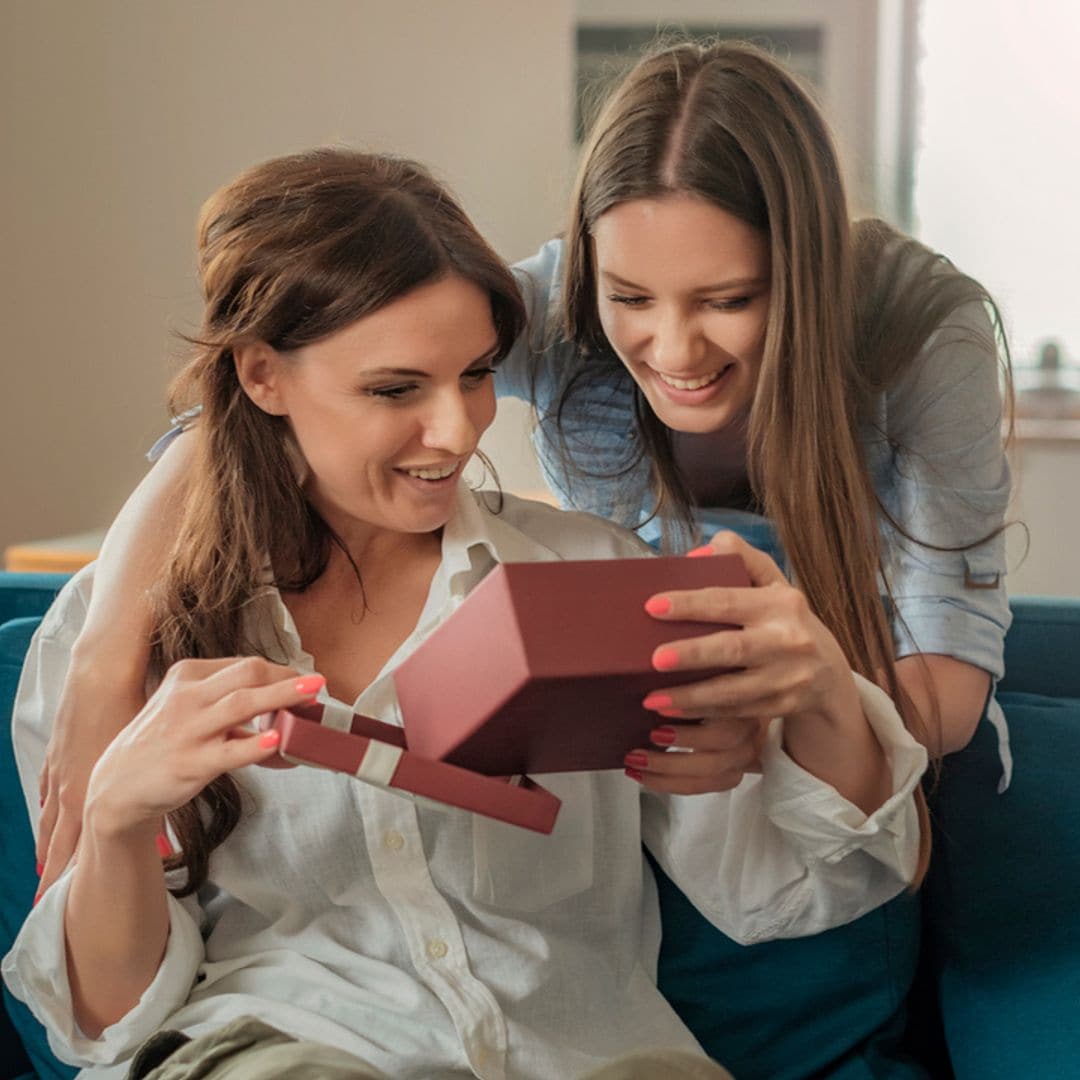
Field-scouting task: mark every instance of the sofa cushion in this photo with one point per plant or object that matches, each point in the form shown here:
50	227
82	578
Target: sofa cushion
1041	647
1002	916
17	847
824	1006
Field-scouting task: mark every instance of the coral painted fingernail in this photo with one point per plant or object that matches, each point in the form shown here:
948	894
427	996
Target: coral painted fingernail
309	684
634	775
663	736
664	659
657	701
636	759
269	739
37	897
40	867
658	605
699	551
164	848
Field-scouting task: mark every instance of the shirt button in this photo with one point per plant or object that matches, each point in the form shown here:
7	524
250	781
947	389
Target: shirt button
437	949
394	840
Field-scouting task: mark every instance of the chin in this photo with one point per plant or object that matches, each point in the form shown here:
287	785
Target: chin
424	522
692	420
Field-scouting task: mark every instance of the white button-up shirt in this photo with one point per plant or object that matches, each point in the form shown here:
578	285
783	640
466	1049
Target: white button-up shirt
433	942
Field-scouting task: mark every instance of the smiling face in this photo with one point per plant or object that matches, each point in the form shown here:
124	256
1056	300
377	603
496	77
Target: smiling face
388	410
683	298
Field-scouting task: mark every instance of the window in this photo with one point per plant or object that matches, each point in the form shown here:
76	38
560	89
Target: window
997	166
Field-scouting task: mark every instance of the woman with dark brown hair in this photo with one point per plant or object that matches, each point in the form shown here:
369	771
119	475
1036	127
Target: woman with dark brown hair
301	922
717	353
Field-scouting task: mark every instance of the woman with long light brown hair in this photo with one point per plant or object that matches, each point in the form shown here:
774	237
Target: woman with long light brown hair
715	350
718	353
308	923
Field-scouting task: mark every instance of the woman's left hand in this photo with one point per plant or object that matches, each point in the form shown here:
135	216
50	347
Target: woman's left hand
787	664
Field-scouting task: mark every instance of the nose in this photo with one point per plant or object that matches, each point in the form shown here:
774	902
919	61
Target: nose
678	345
449	425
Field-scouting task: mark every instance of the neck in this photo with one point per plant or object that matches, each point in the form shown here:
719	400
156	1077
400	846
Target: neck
355	617
369	546
713	465
382	553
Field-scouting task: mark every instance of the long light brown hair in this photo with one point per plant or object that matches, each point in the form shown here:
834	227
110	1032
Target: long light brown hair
291	251
849	310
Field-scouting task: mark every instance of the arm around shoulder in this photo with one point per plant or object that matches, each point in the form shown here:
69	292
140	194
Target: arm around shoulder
133	553
105	673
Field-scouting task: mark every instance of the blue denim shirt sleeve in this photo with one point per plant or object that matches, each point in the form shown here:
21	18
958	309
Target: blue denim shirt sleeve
177	426
943	477
532	362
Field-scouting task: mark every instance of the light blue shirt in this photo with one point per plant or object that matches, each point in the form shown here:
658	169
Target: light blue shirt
933	448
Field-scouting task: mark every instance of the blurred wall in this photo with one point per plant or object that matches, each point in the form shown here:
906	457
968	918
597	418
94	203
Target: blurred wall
119	117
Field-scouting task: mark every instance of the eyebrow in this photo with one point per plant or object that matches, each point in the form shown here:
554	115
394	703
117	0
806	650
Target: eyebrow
721	286
415	373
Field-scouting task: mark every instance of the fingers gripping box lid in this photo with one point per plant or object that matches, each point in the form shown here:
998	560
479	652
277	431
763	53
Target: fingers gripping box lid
543	668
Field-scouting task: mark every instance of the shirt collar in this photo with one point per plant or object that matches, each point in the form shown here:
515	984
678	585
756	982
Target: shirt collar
474	540
479	535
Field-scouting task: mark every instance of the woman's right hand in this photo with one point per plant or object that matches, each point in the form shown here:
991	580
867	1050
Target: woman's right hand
190	732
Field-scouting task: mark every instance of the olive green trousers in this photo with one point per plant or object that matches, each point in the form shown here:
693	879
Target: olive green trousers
248	1049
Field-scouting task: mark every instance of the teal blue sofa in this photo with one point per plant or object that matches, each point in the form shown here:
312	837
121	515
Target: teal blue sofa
996	989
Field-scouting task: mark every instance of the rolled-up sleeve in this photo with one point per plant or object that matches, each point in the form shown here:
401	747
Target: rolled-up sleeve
35	969
784	854
36	973
949	489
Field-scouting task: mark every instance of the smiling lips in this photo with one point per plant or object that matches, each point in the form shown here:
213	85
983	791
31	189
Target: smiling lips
690	384
433	472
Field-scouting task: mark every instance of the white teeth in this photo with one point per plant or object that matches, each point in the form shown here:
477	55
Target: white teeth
433	474
689	384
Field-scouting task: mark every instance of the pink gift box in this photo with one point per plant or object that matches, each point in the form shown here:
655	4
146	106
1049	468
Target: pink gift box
543	668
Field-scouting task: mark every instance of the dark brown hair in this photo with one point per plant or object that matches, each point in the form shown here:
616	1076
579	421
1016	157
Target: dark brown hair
291	251
849	310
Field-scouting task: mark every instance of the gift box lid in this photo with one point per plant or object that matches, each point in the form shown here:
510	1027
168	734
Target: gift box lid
375	752
544	666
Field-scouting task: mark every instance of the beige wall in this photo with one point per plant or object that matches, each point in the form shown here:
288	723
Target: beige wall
120	116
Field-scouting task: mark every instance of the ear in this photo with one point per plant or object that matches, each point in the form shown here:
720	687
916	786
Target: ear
259	370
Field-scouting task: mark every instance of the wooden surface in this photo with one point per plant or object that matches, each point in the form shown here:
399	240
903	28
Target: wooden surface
63	554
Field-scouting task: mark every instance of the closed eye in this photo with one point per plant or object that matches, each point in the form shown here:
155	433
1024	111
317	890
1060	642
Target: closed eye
734	303
627	301
476	376
392	393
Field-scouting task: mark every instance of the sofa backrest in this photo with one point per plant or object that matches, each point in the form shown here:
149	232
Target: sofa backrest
22	1039
1042	647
